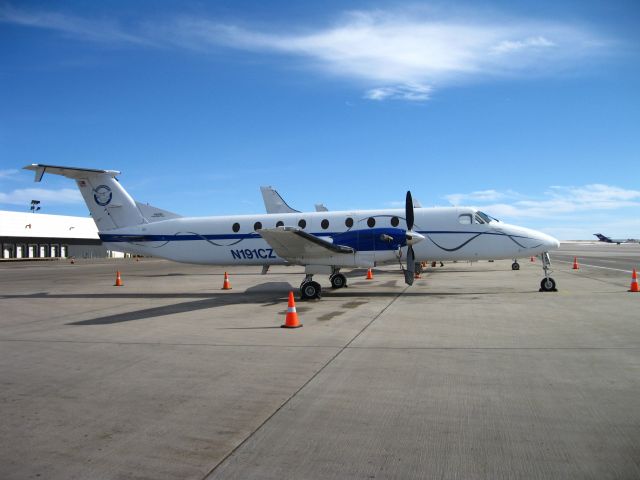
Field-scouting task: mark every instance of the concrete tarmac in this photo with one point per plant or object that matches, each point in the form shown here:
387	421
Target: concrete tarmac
469	373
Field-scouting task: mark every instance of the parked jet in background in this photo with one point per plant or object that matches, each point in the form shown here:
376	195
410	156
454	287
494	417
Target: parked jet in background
322	242
604	238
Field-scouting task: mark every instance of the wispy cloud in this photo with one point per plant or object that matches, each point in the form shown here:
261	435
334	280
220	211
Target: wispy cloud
397	55
557	201
97	30
411	53
9	173
413	92
508	46
58	197
479	196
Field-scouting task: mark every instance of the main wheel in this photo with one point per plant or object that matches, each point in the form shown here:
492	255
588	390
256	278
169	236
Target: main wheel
548	285
338	280
310	290
515	266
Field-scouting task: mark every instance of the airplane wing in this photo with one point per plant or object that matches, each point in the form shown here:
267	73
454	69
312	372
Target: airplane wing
298	246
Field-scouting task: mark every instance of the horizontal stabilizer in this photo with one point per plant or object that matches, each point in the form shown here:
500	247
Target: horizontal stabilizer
69	172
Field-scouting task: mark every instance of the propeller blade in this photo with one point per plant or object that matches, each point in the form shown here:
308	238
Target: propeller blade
409	211
410	271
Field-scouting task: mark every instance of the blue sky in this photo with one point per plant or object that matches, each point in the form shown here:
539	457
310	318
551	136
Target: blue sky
528	110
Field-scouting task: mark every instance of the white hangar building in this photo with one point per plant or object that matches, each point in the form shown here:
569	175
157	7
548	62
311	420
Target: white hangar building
38	235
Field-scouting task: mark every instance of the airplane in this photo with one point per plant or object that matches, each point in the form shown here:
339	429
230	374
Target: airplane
604	238
322	242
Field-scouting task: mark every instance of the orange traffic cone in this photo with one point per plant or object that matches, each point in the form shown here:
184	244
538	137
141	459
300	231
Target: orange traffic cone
634	282
533	259
291	320
575	263
118	280
369	275
226	285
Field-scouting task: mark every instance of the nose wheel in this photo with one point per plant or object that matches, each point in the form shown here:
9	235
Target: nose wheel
515	265
547	284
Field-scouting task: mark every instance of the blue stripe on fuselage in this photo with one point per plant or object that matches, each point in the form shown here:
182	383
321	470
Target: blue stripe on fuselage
361	240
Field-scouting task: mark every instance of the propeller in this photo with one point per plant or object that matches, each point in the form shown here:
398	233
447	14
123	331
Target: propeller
411	237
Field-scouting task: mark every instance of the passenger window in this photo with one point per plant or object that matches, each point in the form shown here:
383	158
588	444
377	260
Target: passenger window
349	222
257	226
465	219
302	223
236	227
371	222
324	224
394	221
279	223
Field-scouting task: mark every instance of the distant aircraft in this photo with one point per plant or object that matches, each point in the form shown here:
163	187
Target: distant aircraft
604	238
322	242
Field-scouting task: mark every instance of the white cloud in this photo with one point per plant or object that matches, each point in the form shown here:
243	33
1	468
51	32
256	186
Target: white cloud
24	196
478	196
508	46
9	173
395	54
102	30
413	92
557	201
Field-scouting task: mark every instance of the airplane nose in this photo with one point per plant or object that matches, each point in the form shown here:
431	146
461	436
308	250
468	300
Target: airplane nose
550	242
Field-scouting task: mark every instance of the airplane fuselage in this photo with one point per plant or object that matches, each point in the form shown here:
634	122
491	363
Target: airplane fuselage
377	237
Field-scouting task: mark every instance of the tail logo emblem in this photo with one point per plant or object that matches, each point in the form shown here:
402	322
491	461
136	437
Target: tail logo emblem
102	195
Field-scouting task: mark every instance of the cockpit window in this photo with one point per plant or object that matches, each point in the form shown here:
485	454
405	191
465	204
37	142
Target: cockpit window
479	219
465	219
483	216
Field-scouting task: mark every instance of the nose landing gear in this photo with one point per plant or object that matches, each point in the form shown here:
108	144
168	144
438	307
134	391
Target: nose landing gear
547	284
515	265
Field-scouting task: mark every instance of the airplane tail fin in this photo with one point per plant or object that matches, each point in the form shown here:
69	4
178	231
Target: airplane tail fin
274	203
110	205
603	238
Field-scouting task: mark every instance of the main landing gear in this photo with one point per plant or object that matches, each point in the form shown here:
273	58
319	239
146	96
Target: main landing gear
338	280
547	284
310	290
515	265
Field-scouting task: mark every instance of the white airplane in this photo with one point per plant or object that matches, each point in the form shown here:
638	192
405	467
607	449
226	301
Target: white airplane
323	242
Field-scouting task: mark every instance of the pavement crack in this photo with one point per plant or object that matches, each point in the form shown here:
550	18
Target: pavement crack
311	379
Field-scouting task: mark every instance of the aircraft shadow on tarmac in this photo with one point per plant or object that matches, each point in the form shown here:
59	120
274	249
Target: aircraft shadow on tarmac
267	294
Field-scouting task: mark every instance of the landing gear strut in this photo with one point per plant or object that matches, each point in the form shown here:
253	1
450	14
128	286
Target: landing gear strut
310	289
547	284
515	265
